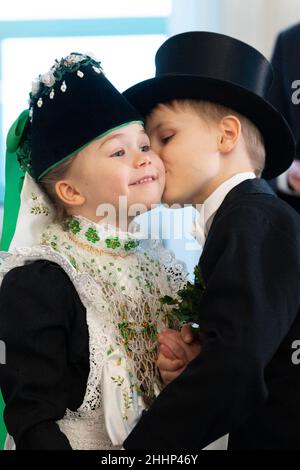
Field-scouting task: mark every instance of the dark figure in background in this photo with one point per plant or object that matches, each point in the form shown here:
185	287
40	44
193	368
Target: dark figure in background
285	96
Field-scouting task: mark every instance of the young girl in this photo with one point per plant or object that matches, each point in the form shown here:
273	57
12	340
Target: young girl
80	298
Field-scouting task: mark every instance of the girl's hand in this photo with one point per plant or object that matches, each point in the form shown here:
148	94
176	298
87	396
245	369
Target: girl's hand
177	349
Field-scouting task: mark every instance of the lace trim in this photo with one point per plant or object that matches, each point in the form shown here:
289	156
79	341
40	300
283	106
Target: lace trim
89	293
175	269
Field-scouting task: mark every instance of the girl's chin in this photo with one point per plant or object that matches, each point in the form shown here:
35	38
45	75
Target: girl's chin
148	199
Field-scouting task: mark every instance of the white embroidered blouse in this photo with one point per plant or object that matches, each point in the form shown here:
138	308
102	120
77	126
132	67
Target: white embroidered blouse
120	281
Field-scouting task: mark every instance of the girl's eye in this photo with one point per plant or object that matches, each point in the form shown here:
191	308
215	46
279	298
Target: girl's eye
166	139
119	153
145	148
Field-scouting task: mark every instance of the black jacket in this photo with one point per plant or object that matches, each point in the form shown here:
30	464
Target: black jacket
286	64
244	381
43	324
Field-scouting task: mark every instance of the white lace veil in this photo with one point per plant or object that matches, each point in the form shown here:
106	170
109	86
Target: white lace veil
35	213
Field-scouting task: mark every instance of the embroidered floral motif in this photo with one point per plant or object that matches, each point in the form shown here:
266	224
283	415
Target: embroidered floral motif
92	235
118	380
117	244
127	393
131	244
39	208
113	242
74	226
54	245
73	262
128	400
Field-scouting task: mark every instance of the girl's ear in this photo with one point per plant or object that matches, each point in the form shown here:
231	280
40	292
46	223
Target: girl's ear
230	131
69	194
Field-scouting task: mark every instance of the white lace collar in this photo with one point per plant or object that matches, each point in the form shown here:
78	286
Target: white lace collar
102	237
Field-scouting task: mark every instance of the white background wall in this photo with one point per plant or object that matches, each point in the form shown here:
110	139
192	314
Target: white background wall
254	21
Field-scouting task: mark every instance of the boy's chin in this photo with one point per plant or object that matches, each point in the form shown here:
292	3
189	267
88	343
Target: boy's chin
171	199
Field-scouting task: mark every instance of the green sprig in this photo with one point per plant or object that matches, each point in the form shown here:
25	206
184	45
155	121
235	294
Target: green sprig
186	307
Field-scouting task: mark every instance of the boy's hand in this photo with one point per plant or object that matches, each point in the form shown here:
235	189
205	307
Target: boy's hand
177	349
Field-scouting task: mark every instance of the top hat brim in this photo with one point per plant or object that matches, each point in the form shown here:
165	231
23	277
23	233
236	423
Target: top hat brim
278	139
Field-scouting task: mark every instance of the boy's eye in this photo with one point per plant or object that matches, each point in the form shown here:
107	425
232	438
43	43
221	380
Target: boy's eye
119	153
166	139
145	148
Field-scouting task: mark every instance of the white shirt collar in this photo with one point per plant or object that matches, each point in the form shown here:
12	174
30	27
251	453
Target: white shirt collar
210	206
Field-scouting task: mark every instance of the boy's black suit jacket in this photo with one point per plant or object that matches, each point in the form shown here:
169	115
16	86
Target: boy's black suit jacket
246	380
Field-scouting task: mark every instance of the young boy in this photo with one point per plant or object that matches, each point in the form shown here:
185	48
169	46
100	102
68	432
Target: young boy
210	123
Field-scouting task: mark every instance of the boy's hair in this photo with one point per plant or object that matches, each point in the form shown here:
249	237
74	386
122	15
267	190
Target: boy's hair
214	112
48	182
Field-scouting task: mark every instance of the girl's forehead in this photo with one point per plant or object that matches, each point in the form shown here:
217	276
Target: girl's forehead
122	132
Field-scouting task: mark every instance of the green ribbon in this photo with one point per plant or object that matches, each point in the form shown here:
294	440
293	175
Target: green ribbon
14	178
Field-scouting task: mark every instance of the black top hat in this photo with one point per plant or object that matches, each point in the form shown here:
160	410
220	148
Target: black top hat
71	105
213	67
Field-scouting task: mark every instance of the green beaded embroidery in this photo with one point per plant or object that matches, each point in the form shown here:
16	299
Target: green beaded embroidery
73	262
74	226
131	244
118	380
54	245
128	400
91	235
113	242
40	208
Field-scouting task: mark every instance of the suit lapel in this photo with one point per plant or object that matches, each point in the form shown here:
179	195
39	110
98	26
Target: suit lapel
253	186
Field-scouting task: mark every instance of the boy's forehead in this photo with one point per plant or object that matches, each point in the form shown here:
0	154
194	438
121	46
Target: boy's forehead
159	116
163	116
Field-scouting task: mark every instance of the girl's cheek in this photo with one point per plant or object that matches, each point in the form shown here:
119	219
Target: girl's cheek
162	171
157	161
120	183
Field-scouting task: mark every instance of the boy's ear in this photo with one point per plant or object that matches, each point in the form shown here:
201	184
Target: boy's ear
68	193
229	133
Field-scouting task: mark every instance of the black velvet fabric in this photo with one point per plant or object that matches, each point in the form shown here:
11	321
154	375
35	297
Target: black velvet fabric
89	107
43	324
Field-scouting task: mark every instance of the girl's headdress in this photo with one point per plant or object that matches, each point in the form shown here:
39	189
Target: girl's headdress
69	106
